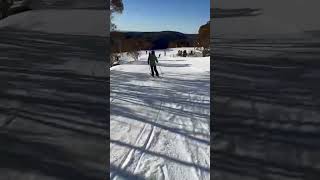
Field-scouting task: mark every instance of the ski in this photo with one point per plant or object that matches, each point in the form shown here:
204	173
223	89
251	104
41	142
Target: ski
155	77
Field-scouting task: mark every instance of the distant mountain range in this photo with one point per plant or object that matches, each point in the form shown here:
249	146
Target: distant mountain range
161	40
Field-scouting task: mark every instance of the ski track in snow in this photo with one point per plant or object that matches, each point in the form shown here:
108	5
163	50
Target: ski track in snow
160	126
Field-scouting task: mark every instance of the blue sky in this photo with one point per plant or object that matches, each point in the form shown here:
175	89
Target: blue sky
185	16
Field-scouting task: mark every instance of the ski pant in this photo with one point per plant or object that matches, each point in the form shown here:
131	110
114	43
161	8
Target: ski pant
154	68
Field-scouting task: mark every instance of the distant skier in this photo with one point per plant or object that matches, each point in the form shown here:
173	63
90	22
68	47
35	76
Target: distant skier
152	60
184	54
159	55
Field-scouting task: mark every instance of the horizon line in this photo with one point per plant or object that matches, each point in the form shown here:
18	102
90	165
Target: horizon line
150	31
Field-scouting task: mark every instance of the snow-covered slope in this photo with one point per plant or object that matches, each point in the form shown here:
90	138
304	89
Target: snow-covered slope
53	110
159	128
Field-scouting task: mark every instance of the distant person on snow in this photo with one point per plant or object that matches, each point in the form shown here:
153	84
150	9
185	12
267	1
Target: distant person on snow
152	60
159	55
184	53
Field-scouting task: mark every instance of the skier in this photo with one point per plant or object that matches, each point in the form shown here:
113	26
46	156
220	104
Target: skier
159	55
152	60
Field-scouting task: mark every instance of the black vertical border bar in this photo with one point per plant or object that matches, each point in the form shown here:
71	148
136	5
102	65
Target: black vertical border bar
108	51
211	90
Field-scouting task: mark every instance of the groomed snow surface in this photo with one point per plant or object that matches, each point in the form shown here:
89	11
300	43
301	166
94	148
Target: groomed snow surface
160	127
